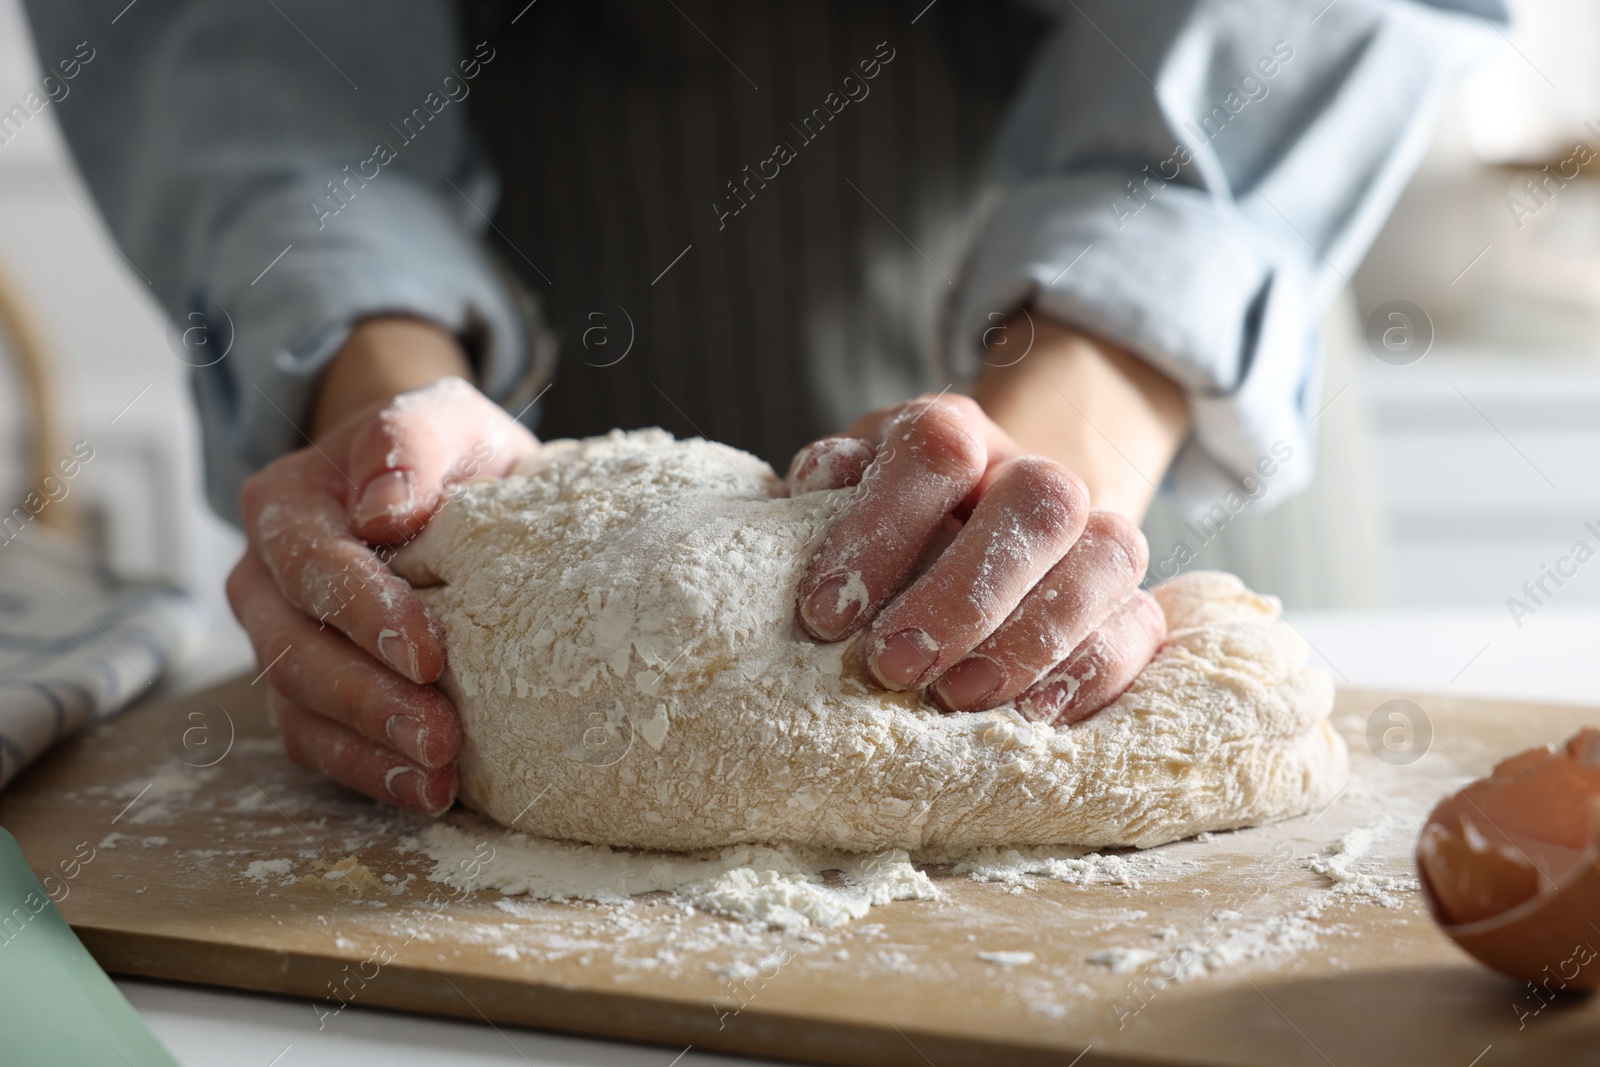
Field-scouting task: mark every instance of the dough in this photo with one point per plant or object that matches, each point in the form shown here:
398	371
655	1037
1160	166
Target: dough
622	648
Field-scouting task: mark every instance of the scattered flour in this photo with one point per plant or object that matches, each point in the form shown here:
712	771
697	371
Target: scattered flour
1007	960
162	797
1122	960
783	887
892	959
1225	942
1350	850
1220	946
112	839
1074	866
1278	935
250	801
263	870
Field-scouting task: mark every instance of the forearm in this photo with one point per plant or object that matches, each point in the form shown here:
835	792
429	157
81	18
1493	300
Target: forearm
1103	413
1146	210
383	357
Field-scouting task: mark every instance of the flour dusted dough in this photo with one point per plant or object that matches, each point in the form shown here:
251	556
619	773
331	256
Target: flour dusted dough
622	648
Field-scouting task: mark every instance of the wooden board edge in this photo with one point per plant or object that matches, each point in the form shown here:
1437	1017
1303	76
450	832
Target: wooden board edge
619	1016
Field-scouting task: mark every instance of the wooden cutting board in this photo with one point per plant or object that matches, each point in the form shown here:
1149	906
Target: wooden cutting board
175	801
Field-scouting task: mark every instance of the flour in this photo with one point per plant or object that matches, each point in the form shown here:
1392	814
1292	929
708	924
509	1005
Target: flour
1230	945
629	672
1221	944
1338	868
264	871
250	801
1122	960
782	887
112	839
1073	866
1226	941
1007	959
160	798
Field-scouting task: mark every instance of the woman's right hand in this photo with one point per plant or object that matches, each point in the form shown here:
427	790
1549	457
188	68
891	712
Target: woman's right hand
348	650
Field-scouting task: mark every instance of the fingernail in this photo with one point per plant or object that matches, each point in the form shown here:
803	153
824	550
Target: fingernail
1054	704
969	684
1038	707
387	494
409	736
403	785
834	607
904	658
408	786
398	652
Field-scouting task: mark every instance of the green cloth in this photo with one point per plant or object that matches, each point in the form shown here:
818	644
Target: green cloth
56	1005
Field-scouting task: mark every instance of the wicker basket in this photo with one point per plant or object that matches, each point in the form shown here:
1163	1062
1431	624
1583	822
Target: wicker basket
23	340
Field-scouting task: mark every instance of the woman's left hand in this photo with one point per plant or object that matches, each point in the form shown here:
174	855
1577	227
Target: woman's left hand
1029	595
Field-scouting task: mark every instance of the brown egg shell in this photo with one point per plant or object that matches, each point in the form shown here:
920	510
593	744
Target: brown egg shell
1548	940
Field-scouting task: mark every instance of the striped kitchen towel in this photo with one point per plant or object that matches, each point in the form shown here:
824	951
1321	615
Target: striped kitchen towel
77	645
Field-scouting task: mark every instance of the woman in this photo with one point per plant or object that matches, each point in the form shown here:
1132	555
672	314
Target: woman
760	224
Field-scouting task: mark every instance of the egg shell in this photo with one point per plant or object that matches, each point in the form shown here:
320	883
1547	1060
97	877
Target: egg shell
1553	939
1549	940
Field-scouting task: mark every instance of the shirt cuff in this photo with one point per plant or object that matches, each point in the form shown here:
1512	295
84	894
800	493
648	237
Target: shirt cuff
287	282
1182	281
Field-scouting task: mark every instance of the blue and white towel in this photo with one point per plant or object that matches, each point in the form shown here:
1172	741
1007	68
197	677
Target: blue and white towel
77	645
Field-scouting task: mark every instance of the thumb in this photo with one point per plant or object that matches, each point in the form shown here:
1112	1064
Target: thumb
412	452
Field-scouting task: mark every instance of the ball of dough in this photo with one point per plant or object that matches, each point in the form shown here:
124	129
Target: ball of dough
619	615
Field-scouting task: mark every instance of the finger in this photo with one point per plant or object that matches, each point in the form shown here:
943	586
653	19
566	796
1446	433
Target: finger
932	456
1098	573
1102	667
831	463
296	522
872	426
381	773
406	459
1033	512
321	670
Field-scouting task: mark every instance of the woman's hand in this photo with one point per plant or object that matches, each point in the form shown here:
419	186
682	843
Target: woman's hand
981	569
348	649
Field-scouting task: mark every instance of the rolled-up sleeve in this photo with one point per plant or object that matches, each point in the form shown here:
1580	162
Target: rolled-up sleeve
1196	181
278	172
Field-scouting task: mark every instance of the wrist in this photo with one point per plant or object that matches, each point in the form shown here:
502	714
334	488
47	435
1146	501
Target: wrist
384	356
1090	405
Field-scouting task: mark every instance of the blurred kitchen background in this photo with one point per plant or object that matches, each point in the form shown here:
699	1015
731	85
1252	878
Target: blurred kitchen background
1484	451
114	376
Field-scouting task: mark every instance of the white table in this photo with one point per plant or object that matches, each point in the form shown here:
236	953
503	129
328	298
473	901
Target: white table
1476	651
